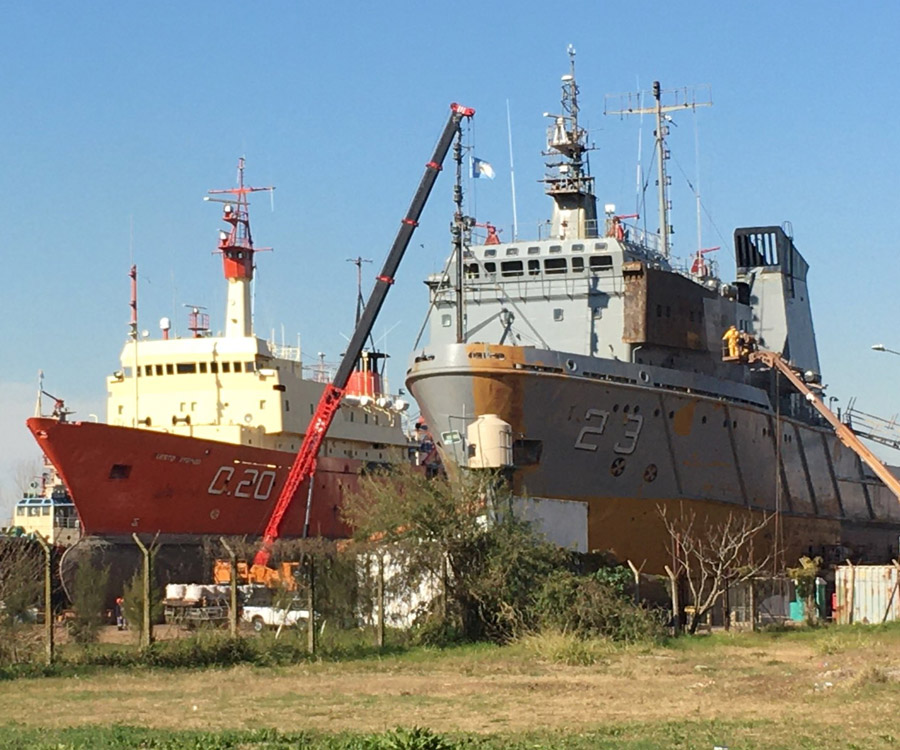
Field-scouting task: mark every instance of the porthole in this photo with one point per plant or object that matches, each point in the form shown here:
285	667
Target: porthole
656	412
636	409
703	420
625	409
671	414
644	376
617	467
615	407
571	365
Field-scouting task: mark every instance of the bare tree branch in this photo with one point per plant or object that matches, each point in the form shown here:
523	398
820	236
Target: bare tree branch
711	556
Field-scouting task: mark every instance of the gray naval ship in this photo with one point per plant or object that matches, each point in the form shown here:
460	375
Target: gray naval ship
589	367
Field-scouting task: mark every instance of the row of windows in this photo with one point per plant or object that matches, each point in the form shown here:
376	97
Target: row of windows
190	368
514	268
578	247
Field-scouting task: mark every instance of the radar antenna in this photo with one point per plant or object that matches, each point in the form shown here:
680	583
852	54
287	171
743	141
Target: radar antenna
666	100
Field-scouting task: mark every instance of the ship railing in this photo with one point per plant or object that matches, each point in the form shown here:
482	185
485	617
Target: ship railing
320	372
285	351
591	229
649	242
67	523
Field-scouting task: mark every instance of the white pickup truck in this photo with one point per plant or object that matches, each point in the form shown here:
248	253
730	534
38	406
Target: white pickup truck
261	617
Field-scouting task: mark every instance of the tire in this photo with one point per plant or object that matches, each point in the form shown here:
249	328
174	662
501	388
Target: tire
259	624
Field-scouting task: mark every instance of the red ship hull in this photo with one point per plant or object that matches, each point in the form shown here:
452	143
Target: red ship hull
124	480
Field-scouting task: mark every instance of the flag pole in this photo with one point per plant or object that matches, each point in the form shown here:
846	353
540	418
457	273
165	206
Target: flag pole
512	174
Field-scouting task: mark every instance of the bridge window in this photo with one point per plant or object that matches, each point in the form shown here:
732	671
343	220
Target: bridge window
490	252
446	321
471	270
599	246
578	248
250	367
214	367
555	248
490	267
238	366
534	250
558	314
577	264
226	367
170	369
511	268
184	368
555	265
600	262
534	267
512	251
203	367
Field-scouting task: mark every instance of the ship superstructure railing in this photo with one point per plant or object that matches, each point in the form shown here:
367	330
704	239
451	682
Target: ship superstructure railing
321	372
285	351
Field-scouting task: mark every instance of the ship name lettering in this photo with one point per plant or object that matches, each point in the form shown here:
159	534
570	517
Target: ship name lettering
632	423
253	483
165	457
602	416
632	432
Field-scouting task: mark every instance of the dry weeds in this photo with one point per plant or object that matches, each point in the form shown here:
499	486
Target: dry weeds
789	682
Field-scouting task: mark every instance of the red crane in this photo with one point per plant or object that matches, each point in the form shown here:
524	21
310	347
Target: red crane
305	463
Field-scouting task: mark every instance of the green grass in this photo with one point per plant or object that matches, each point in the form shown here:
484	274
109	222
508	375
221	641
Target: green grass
739	690
677	735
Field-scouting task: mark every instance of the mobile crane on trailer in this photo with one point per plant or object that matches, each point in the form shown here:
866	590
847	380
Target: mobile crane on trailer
305	464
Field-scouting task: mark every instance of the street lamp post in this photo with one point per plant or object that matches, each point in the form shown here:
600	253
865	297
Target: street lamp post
883	348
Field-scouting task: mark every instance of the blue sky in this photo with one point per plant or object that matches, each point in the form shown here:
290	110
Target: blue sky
121	114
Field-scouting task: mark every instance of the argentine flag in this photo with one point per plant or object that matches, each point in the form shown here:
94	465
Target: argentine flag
481	168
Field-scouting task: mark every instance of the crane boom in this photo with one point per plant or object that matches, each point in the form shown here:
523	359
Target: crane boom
844	433
305	463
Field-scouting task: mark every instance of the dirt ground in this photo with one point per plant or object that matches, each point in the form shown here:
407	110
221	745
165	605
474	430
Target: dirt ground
841	682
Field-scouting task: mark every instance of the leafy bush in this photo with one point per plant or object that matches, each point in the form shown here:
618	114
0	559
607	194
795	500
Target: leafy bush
88	599
590	607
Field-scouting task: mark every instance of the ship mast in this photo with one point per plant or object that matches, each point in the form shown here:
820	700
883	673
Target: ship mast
678	99
569	181
236	247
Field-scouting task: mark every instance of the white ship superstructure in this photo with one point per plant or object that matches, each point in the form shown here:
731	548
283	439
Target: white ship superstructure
239	388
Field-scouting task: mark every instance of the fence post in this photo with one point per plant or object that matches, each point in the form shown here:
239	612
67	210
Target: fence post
676	606
637	581
379	602
147	626
444	575
752	584
232	585
726	607
311	604
48	600
852	592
